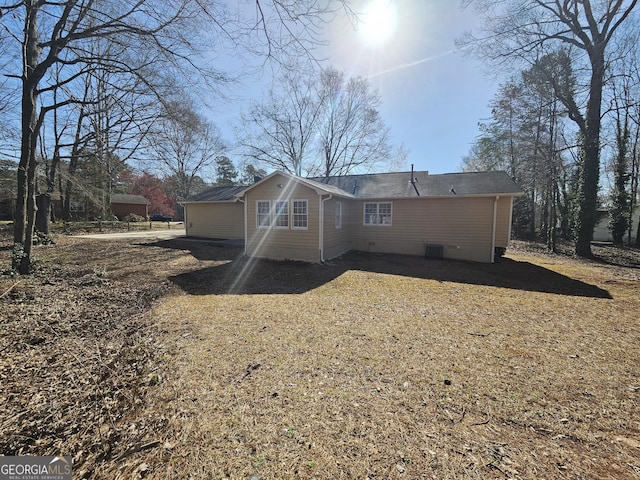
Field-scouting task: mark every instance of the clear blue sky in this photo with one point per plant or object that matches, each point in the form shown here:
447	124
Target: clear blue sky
432	95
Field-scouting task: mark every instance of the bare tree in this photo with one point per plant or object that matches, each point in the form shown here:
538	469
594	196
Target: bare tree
186	145
525	137
145	36
8	92
622	127
324	127
352	133
280	131
51	33
522	30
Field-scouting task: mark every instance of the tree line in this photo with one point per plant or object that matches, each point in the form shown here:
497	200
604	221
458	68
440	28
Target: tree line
98	84
569	113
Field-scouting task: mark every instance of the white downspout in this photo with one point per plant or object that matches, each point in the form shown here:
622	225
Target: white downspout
493	233
510	221
246	243
322	200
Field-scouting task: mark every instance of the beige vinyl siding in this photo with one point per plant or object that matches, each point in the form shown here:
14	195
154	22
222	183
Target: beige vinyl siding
463	226
336	240
277	243
215	220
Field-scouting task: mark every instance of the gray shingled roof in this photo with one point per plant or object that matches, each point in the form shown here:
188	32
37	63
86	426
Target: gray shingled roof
398	185
126	198
217	194
471	183
327	187
377	185
392	185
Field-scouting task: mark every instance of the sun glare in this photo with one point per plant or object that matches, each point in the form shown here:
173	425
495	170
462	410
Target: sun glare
378	22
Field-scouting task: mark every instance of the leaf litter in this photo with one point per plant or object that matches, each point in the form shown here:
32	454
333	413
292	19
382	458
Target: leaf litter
137	360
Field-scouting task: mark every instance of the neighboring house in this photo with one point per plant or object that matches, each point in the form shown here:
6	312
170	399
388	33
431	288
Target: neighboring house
463	216
601	232
123	204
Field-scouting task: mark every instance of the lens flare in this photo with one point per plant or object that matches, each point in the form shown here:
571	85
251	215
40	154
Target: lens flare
378	23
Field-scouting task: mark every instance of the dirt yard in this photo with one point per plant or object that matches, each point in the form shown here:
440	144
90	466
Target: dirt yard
181	359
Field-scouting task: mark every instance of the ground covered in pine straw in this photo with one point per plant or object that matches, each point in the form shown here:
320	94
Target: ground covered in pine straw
182	359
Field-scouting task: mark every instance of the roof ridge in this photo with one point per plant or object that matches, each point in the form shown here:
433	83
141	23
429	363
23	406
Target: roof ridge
408	172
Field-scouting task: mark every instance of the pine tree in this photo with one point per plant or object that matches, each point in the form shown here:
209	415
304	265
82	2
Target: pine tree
226	172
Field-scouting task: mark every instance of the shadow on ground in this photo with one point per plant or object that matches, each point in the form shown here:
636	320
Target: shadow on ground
233	273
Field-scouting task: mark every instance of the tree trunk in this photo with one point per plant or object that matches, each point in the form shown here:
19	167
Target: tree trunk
590	168
25	265
43	215
25	203
43	201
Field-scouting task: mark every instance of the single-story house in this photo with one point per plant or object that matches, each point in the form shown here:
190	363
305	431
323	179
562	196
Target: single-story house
124	204
463	216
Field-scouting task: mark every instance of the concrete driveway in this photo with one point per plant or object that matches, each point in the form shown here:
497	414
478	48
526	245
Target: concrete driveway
157	234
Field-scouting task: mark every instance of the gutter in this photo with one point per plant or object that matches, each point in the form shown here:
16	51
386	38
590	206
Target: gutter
321	235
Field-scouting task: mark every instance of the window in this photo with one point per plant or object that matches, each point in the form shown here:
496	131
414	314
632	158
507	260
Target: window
300	214
263	213
282	215
377	213
338	215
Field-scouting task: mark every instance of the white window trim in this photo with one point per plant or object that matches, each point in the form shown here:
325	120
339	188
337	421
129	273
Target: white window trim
377	204
276	216
338	215
258	225
293	214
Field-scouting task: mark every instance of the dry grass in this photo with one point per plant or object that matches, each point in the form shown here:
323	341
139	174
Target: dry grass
383	367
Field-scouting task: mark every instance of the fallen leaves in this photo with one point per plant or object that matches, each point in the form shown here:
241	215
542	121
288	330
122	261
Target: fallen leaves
73	350
372	366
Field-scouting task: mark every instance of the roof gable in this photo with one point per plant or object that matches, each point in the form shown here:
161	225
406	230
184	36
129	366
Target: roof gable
318	187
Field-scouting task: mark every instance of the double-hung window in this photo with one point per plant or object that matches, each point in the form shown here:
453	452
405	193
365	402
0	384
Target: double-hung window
379	213
300	215
263	213
282	215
